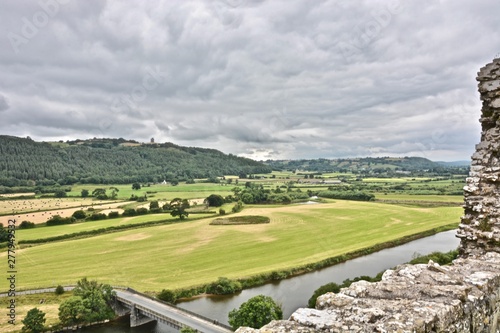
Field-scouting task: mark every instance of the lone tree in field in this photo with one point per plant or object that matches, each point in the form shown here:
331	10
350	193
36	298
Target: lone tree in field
100	193
136	186
256	312
34	321
114	192
214	200
178	207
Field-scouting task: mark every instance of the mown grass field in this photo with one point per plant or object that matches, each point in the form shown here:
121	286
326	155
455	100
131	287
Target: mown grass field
45	232
191	253
160	192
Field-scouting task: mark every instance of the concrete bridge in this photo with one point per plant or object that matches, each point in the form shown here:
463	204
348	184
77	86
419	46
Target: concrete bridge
144	309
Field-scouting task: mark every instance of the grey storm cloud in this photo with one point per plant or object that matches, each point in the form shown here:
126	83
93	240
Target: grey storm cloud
3	103
262	79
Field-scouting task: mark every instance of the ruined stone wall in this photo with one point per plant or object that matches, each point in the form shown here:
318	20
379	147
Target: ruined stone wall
463	297
480	227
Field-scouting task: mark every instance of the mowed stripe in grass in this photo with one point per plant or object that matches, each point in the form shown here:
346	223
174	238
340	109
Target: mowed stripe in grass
187	254
45	232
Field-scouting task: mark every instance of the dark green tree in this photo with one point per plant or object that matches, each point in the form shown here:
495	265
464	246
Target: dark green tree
4	234
154	205
136	186
91	302
168	295
72	311
114	192
60	194
26	225
34	321
178	208
256	312
327	288
214	200
85	193
100	193
247	198
79	215
59	290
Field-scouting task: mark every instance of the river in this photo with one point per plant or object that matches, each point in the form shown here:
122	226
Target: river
294	293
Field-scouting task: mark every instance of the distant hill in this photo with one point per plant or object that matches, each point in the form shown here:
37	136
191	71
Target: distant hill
364	165
112	161
454	163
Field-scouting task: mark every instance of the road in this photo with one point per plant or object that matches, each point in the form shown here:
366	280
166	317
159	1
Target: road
172	312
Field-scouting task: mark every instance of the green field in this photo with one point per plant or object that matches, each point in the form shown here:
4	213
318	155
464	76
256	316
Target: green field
412	198
191	253
45	232
161	192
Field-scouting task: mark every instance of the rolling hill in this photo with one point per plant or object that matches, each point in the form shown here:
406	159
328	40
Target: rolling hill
112	161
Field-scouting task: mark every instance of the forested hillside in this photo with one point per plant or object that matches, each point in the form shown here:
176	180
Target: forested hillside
112	161
374	165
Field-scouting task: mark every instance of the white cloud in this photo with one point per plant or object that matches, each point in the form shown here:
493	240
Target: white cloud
265	79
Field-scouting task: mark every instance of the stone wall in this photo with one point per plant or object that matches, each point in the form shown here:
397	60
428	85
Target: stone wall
462	297
480	227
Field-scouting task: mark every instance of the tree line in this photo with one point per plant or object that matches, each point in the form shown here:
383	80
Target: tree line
383	166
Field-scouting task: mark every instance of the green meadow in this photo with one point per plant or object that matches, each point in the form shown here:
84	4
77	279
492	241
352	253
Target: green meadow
159	191
194	252
45	232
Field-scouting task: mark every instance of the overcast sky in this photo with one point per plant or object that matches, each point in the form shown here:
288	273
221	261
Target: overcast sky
278	79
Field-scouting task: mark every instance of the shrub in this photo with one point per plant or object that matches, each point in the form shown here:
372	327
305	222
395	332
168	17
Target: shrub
26	225
142	211
327	288
129	212
168	295
224	286
113	215
238	207
97	217
256	312
222	212
60	194
58	220
59	290
215	200
79	215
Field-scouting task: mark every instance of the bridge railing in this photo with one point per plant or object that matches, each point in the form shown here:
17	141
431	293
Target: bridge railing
194	314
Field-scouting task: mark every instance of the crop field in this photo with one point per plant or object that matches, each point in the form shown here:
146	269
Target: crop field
42	216
194	252
35	205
